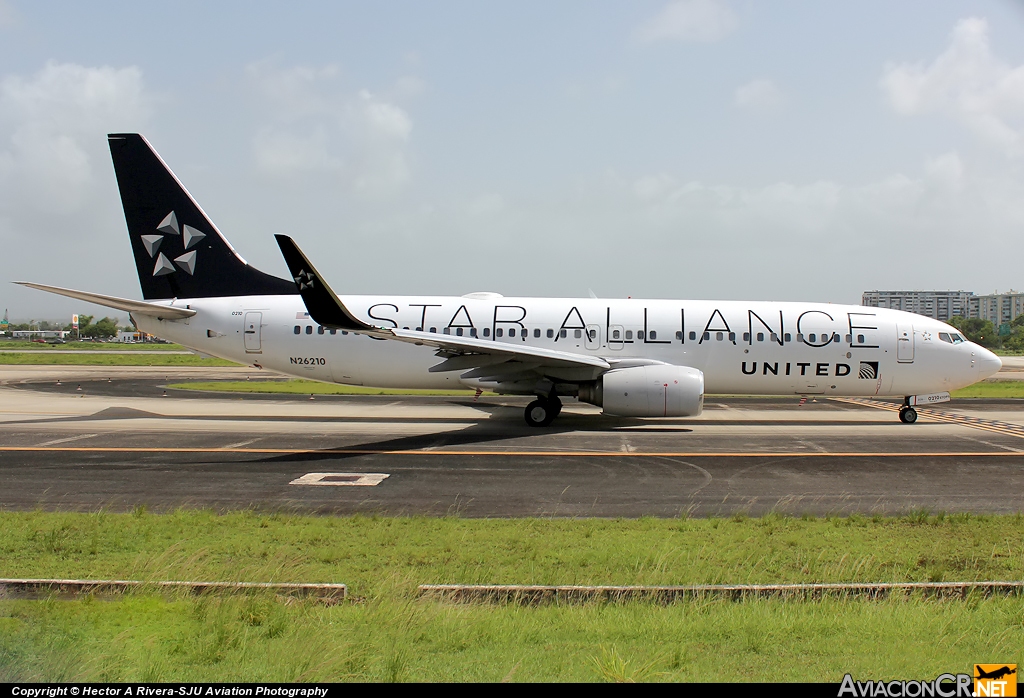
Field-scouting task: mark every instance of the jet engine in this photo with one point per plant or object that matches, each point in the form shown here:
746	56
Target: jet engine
659	390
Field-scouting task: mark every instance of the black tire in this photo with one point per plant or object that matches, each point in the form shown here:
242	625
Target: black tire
908	415
539	413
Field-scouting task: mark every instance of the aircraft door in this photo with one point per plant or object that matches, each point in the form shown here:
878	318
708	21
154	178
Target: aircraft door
904	343
253	333
593	339
615	337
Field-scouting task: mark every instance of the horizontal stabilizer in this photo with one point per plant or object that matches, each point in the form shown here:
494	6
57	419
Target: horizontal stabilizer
137	307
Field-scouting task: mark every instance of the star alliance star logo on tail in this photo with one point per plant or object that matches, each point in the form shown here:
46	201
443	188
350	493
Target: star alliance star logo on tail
304	280
189	238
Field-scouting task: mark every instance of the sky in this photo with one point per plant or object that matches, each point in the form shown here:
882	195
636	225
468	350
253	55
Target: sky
684	149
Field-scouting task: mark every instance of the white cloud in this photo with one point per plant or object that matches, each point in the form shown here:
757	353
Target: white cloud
967	82
52	128
689	20
761	96
317	126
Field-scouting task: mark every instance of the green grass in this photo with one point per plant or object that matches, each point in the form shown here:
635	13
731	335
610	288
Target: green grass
300	386
389	634
90	346
992	388
126	359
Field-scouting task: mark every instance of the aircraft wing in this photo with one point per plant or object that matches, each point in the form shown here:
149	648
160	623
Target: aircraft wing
461	353
138	307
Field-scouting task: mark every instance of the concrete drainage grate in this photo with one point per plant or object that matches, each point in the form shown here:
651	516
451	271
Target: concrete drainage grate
341	479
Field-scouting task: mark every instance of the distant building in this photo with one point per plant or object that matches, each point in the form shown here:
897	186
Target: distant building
941	305
999	308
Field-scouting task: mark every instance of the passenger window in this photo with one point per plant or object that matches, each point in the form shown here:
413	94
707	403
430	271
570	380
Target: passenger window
498	332
835	337
799	336
487	332
511	331
458	331
654	335
344	332
615	334
860	339
760	336
746	336
629	334
812	337
446	330
577	334
419	329
472	332
944	336
640	334
693	335
774	337
298	329
320	329
719	336
679	335
849	339
732	336
334	331
787	337
433	329
551	333
536	332
592	334
563	334
707	336
309	329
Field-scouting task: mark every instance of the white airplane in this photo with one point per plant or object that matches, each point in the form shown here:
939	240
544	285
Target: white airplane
636	358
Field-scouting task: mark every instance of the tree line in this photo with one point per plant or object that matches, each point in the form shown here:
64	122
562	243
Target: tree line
985	333
101	329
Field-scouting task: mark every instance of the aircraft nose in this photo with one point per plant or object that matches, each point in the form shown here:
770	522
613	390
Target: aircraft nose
988	363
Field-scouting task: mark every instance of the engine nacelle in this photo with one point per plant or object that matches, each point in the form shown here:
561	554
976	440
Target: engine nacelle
659	390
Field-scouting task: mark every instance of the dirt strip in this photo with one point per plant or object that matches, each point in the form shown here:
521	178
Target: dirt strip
74	588
534	595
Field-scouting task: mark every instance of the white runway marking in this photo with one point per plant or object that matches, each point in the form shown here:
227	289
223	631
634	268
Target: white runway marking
341	479
70	438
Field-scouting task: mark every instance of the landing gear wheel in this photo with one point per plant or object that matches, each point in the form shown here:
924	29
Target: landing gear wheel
908	415
540	413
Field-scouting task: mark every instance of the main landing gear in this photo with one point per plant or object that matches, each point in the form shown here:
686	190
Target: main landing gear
542	411
908	415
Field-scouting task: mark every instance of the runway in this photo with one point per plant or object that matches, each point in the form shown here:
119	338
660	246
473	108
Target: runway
118	442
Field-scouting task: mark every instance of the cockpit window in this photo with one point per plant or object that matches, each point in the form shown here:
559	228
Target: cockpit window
944	336
957	339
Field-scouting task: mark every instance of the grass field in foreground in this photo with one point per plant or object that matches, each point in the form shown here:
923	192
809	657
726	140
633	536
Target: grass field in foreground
388	634
126	359
298	386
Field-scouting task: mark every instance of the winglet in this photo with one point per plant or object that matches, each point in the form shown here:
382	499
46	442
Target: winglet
325	308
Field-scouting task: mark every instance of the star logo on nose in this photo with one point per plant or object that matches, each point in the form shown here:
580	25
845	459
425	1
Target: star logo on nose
304	280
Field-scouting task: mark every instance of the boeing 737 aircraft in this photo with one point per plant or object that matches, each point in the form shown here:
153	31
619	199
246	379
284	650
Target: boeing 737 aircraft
637	358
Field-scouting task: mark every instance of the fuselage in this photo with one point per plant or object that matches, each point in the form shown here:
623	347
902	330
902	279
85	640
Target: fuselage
750	348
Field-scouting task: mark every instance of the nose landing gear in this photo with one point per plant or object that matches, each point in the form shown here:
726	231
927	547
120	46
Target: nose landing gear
542	411
908	415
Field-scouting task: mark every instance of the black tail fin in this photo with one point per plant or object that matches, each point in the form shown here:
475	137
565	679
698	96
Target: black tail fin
178	251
